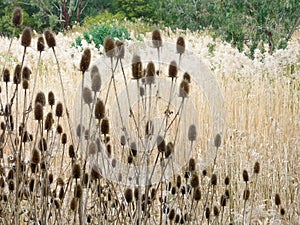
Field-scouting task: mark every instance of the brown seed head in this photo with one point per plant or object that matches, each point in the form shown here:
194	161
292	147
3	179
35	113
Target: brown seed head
180	45
156	39
73	204
136	67
173	70
51	99
184	89
64	138
169	149
192	164
245	176
120	49
109	47
213	180
133	149
223	200
149	128
207	213
282	211
161	144
187	77
57	203
49	121
218	140
71	151
26	37
59	110
246	194
17	17
197	194
76	171
26	73
216	211
96	83
87	95
178	181
256	167
40	98
59	129
172	214
17	74
50	39
25	84
85	60
40	44
36	156
195	181
128	195
11	185
99	110
277	199
192	133
150	73
105	126
226	181
6	75
43	145
38	112
92	148
78	191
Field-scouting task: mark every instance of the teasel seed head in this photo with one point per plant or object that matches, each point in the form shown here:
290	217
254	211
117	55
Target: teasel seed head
105	126
172	214
6	75
95	173
277	199
26	73
245	176
36	156
197	194
60	181
94	71
109	47
213	180
59	109
156	39
26	37
11	185
99	110
142	91
59	129
38	112
282	211
161	144
50	39
227	180
120	49
92	148
96	83
207	213
128	195
169	149
80	130
31	185
76	171
85	179
87	95
227	193
180	45
130	159
246	194
64	138
195	181
61	193
113	163
51	99
17	17
184	89
50	178
173	70
71	152
256	168
216	211
133	149
178	181
43	145
85	60
78	191
192	164
218	140
10	174
49	121
57	203
25	84
204	172
177	218
150	73
123	140
40	44
187	77
192	133
17	74
73	204
40	98
136	67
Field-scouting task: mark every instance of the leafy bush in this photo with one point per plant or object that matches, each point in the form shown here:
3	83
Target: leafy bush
98	34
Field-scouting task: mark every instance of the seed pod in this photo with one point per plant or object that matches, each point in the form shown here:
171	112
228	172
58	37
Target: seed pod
173	70
226	181
59	129
207	213
192	164
17	17
99	110
11	185
180	45
50	39
195	181
40	44
197	194
49	121
26	73
204	172
245	176
178	181
213	180
17	74
184	89
123	140
223	200
150	73
217	140
120	49
76	171
59	109
25	84
172	214
128	195
177	218
136	67
85	60
277	199
40	98
51	99
130	159
6	75
105	126
64	139
256	167
50	178
282	211
216	211
87	95
156	39
38	112
26	37
109	47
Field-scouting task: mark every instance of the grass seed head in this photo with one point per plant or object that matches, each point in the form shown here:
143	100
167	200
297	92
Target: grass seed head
161	144
50	39
78	191
59	129
216	211
49	121
207	213
17	17
178	181
92	148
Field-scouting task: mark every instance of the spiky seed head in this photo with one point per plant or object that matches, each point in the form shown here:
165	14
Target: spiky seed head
173	70
25	84
76	171
92	148
256	167
17	17
197	194
60	181
71	151
246	194
128	195
169	149
123	140
184	89
213	180
40	44
26	37
282	211
177	218
11	185
204	172
26	73
43	145
87	95
109	47
156	39
172	214
223	200
130	159
120	49
95	173
218	140
51	98
216	211
36	156
150	73
180	45
59	129
78	191
80	130
50	39
94	71
96	83
187	77
85	60
38	112
40	98
195	181
161	144
133	149
59	109
17	74
105	126
64	138
192	164
277	199
192	133
73	204
227	180
49	121
6	75
227	193
136	67
99	110
207	213
245	176
113	163
61	193
178	181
